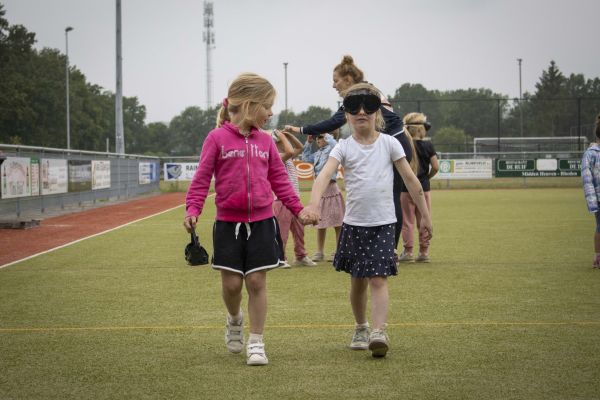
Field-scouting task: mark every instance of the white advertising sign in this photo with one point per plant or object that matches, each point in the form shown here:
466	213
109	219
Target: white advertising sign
100	174
15	174
180	171
53	176
476	168
35	177
148	172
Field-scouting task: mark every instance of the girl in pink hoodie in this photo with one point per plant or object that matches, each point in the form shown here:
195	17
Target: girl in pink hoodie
247	170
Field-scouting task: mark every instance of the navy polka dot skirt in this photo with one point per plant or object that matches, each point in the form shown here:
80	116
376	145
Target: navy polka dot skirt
366	251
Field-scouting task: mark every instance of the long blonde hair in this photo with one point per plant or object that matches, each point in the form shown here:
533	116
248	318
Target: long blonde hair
379	122
413	132
246	93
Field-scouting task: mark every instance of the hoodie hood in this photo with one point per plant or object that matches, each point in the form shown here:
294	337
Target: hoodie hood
594	146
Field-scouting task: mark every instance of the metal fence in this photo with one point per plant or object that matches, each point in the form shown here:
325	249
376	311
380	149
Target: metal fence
504	118
124	182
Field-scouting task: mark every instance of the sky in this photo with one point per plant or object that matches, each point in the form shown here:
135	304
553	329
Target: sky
441	44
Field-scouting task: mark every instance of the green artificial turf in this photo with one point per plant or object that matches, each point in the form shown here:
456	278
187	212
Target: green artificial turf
509	308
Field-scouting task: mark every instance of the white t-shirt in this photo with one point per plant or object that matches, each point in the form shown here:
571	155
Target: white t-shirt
369	179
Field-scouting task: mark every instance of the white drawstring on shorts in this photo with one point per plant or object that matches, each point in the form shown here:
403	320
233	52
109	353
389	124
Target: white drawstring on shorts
237	230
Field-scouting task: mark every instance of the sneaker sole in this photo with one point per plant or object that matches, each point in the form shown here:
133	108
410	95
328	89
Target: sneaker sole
359	347
378	349
235	350
257	361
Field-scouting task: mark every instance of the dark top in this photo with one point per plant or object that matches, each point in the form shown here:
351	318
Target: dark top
393	126
425	151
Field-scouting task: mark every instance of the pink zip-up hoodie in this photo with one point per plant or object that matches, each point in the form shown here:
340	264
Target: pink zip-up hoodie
247	171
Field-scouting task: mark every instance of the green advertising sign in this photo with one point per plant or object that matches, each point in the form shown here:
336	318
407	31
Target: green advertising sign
541	167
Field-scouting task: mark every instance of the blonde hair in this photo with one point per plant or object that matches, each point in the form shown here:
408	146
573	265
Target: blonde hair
379	122
348	68
413	130
418	119
246	93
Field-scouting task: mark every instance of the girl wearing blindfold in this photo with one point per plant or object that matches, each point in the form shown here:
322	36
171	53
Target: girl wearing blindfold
416	125
346	74
366	246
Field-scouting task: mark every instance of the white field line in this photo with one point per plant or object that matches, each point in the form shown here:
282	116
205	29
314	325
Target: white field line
303	326
91	236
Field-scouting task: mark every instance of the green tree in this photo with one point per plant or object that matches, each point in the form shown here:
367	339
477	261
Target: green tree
189	129
473	110
556	105
416	98
452	139
157	141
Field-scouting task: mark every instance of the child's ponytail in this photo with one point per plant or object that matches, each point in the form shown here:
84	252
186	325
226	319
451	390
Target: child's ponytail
223	114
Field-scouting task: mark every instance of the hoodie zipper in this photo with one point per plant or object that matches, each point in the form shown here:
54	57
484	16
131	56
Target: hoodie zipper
248	173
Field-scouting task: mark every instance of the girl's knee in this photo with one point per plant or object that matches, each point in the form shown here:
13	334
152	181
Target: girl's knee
256	281
378	282
232	287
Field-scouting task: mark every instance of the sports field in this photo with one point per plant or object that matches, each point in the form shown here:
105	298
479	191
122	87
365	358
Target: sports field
509	308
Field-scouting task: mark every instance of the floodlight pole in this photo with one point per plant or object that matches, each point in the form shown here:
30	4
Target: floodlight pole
520	60
67	30
285	64
119	135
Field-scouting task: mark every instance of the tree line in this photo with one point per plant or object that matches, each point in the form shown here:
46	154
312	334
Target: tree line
33	107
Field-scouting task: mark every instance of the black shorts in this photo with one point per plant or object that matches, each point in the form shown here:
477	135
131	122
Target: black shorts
244	247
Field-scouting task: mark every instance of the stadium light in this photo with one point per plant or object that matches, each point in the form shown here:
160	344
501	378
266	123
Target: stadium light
67	30
519	60
285	64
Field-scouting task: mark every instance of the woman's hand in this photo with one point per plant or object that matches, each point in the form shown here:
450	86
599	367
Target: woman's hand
292	129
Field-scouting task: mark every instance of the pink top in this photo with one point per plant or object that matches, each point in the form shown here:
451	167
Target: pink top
247	171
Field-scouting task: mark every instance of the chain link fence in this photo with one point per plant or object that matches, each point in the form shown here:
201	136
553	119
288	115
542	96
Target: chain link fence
39	181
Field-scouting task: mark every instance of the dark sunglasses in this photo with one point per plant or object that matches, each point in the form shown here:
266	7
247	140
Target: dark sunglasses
426	124
370	103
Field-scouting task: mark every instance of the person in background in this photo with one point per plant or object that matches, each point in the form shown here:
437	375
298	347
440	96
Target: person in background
290	147
417	126
247	171
590	174
331	205
346	74
366	245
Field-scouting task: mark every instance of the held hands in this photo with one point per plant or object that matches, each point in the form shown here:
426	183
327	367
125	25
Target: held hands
291	129
309	215
190	223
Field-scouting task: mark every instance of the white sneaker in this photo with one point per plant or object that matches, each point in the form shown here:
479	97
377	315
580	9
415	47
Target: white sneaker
255	354
406	258
379	343
234	335
284	264
360	338
331	257
305	261
318	256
